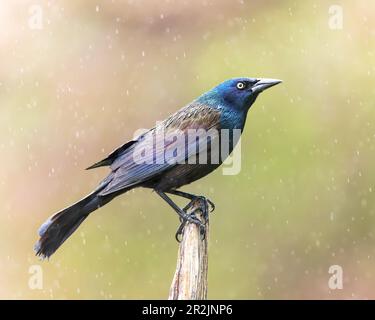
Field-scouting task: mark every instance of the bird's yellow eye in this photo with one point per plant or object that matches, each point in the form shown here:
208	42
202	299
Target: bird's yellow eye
240	85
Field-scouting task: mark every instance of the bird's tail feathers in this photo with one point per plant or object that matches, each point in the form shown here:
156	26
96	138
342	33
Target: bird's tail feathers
61	225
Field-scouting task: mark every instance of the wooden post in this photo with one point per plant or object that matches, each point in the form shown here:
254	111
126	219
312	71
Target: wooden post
190	278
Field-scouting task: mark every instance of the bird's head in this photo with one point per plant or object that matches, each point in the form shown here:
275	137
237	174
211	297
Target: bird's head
238	93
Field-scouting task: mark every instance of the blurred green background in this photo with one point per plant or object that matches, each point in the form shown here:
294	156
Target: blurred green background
95	72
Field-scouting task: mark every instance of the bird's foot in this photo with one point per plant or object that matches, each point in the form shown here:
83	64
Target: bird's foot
204	203
192	219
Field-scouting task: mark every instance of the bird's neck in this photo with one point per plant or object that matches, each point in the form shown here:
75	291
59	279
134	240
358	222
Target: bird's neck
233	118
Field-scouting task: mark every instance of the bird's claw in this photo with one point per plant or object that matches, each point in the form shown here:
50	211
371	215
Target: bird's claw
179	232
206	206
212	205
192	219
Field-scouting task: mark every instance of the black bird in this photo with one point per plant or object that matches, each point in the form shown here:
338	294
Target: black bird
223	107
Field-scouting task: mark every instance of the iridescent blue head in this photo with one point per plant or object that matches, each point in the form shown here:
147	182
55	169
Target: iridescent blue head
238	93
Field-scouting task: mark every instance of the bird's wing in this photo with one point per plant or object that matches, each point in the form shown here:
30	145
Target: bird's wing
115	154
157	153
112	156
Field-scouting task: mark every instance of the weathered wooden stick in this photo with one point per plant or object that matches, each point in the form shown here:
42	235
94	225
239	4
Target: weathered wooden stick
190	278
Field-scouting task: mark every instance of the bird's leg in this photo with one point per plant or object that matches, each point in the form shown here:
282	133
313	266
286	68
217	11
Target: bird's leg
183	215
193	197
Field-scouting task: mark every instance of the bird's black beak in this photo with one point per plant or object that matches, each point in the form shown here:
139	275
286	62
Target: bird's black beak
264	84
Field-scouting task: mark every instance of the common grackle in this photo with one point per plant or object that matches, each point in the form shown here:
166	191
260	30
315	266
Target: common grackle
164	165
